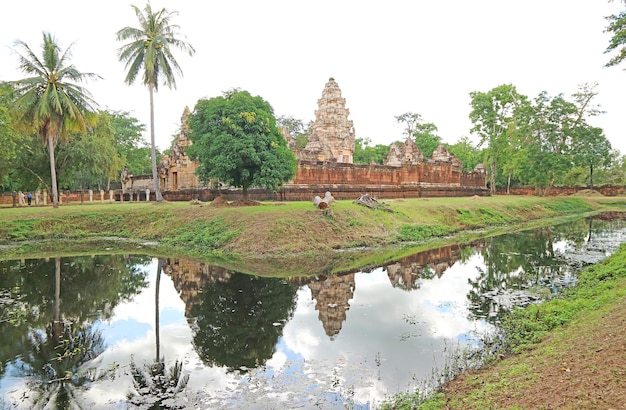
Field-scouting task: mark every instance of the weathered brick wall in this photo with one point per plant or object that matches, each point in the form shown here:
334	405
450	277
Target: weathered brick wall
429	172
472	178
311	172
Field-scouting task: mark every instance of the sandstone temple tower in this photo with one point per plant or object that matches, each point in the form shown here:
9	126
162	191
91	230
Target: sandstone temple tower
332	134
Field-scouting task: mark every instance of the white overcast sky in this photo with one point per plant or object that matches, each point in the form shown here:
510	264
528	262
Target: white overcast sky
388	57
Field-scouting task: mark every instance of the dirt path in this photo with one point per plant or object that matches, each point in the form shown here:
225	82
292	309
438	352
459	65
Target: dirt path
582	366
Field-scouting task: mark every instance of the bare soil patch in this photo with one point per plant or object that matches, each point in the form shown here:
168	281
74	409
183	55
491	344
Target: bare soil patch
588	193
220	201
580	369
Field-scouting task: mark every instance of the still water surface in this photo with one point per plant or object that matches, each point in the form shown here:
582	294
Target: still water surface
87	331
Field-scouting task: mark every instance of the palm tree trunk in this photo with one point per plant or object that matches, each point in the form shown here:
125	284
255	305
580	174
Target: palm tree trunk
591	176
53	172
155	177
156	310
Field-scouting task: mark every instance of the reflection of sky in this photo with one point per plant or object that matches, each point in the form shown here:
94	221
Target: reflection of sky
390	338
379	346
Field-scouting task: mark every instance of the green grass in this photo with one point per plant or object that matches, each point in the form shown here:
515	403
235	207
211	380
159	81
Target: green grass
568	205
202	236
418	233
285	230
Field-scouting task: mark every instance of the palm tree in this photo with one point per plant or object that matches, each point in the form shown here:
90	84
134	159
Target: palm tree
149	50
46	101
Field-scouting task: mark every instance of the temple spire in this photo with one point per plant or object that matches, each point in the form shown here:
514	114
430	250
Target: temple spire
332	136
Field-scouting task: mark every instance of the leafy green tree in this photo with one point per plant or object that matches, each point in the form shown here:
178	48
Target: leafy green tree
615	173
426	139
495	117
364	153
425	133
465	152
617	43
30	168
150	50
11	139
295	126
591	148
46	102
549	129
410	120
297	129
131	146
236	141
557	138
90	159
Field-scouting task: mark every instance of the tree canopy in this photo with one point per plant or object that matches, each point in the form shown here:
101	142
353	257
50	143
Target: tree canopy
617	43
424	133
236	141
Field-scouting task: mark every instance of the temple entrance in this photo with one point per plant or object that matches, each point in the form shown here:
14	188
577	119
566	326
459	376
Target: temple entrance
174	181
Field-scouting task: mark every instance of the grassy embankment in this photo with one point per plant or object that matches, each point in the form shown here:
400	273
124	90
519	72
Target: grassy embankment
567	353
293	238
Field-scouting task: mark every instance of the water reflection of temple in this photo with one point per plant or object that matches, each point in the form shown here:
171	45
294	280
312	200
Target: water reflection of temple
189	277
406	272
331	293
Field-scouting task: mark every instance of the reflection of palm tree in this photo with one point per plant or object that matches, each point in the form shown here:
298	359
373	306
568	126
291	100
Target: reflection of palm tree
155	385
56	359
156	309
47	334
57	355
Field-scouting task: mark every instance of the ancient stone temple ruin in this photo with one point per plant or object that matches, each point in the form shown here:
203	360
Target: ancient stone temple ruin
326	164
177	171
332	134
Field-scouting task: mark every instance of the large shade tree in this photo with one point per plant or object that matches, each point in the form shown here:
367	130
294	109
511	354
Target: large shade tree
149	50
49	100
494	115
236	141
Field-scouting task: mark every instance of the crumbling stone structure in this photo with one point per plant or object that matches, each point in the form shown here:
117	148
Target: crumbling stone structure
332	135
326	163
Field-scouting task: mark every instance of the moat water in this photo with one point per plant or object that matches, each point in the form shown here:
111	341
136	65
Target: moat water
86	332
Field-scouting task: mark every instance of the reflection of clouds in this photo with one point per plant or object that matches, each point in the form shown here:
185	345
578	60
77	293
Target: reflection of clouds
301	335
443	301
136	309
370	353
136	320
277	361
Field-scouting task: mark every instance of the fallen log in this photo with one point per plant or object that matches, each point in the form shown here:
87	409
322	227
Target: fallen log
323	203
371	202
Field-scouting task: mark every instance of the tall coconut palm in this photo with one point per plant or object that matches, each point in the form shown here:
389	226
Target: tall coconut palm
149	51
50	100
